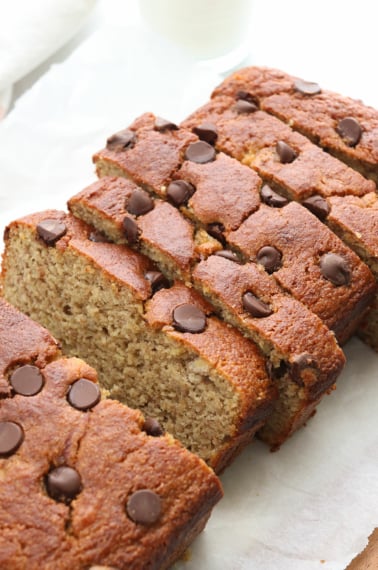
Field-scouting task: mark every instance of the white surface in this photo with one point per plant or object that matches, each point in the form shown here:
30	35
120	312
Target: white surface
317	498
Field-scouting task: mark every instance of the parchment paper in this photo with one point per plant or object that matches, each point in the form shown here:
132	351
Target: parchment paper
309	506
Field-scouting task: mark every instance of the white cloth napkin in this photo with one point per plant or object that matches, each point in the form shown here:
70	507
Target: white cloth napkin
31	31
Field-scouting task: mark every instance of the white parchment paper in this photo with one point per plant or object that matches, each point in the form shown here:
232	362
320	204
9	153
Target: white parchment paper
309	506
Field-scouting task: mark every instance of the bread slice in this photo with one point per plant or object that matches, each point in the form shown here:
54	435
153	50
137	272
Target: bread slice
85	481
208	386
304	358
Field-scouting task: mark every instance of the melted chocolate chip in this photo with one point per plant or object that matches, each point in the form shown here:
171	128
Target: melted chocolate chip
164	125
144	507
317	205
157	280
139	203
50	231
179	192
152	427
216	230
122	140
350	131
63	483
11	437
271	198
300	363
270	258
243	106
255	307
335	269
189	318
27	380
246	96
276	372
206	132
285	152
228	255
131	230
98	237
200	152
83	394
307	87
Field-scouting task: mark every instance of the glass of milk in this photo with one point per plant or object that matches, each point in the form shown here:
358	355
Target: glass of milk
213	31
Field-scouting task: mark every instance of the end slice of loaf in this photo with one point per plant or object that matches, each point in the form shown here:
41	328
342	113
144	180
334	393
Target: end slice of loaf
210	389
108	449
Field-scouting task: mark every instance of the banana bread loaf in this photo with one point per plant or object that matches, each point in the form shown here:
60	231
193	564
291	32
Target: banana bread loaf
162	352
288	334
86	482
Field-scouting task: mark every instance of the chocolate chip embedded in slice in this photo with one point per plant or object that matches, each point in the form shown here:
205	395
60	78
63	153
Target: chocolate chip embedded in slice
299	364
317	205
152	427
11	437
131	230
255	307
157	280
122	140
179	192
243	106
270	258
307	87
206	132
63	483
27	380
271	198
216	230
285	152
164	125
139	203
189	318
228	255
247	96
335	269
83	394
144	507
50	231
350	131
200	152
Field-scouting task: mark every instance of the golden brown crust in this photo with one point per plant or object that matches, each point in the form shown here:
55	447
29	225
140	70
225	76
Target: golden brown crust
302	240
113	456
316	115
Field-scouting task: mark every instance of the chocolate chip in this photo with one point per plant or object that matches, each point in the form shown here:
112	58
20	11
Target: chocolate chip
50	230
300	363
164	125
83	394
276	372
200	152
11	437
131	230
246	96
317	205
335	269
98	237
242	106
270	258
152	427
27	380
285	152
206	132
228	255
271	198
157	280
255	307
179	192
144	507
139	203
307	87
122	140
63	483
189	318
216	230
350	131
